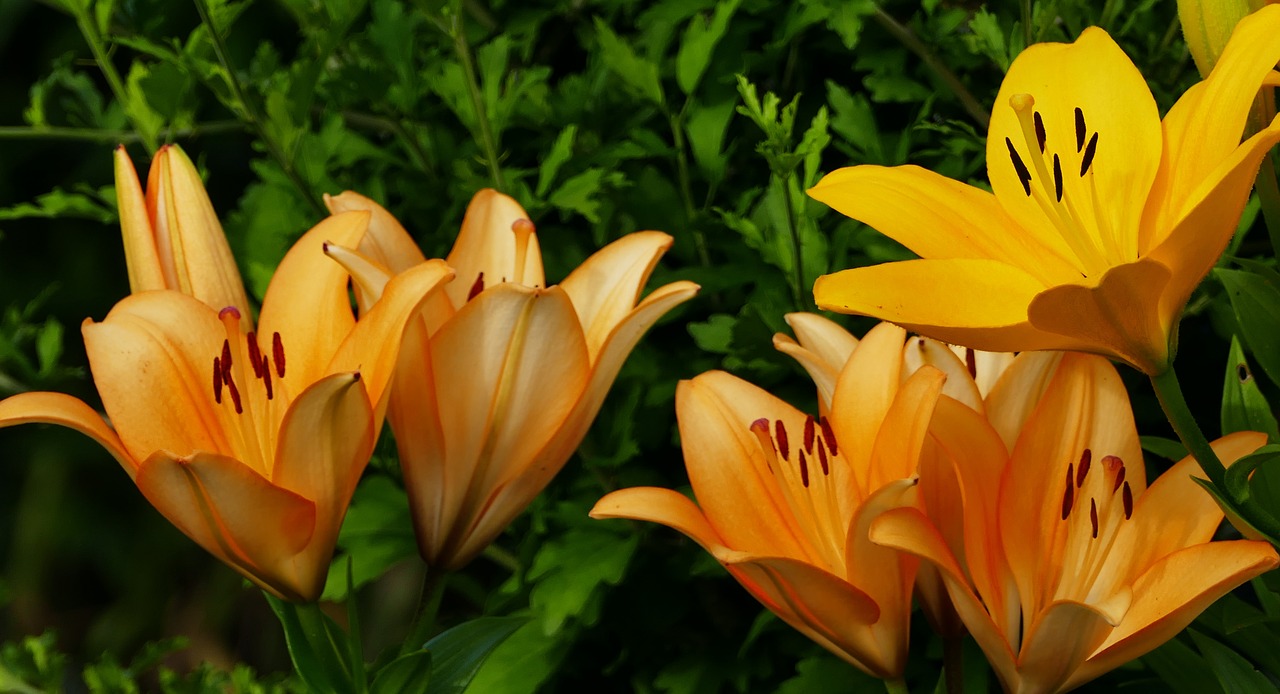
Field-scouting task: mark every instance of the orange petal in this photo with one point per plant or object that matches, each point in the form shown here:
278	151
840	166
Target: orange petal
237	515
665	506
921	351
307	300
821	346
386	242
1058	642
152	360
895	453
414	414
1016	395
863	395
1173	592
145	272
64	410
605	287
487	246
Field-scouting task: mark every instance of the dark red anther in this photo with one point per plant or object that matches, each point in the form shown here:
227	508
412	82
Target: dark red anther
476	287
255	354
277	354
1024	176
265	372
808	434
804	470
217	381
226	360
1040	133
1079	129
235	395
1086	460
1069	496
1089	150
1127	497
822	458
1057	177
971	361
1119	478
780	435
828	435
1093	517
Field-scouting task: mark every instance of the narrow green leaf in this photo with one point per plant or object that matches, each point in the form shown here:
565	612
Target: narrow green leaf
1181	669
1256	302
408	674
1168	449
1244	407
458	653
306	662
1235	674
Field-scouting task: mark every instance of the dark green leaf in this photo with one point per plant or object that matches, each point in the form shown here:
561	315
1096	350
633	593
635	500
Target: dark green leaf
457	654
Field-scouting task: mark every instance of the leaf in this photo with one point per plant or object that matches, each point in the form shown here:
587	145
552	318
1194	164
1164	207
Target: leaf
410	673
376	534
638	74
561	151
988	38
1168	449
1256	302
1180	668
1235	674
84	203
458	653
570	568
706	126
1244	407
580	194
700	39
715	334
521	664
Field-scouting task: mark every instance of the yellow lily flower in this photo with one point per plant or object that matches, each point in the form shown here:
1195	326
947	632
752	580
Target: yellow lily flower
1057	556
784	500
1103	219
172	238
500	379
251	444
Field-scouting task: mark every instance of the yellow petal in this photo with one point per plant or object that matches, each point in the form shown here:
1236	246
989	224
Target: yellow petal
1095	76
237	515
140	255
64	410
606	286
977	303
1203	129
386	242
487	245
940	218
822	349
1171	594
152	360
307	300
1115	318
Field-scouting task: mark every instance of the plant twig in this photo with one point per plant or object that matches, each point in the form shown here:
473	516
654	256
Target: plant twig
89	29
428	607
463	50
908	39
24	132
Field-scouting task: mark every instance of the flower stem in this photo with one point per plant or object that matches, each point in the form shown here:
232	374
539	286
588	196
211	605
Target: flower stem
23	132
686	189
428	608
953	664
89	29
1169	392
944	73
898	686
797	274
463	50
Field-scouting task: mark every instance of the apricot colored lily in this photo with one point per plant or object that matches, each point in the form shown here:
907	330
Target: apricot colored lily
250	443
1103	219
172	238
785	499
1057	556
502	376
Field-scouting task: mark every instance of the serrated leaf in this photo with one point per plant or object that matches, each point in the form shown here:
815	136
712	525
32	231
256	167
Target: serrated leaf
569	570
699	43
637	73
715	334
580	193
560	152
458	653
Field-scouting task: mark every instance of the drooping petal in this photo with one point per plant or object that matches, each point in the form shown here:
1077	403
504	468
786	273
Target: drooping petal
64	410
665	506
235	514
140	256
940	218
1091	77
977	303
605	288
161	344
821	347
307	301
1115	318
486	249
1172	593
387	242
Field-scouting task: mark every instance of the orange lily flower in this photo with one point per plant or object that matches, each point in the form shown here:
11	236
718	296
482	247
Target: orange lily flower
1057	556
1103	219
251	445
501	378
172	238
785	499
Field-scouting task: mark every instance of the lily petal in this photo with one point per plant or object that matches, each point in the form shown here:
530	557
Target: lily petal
64	410
896	451
822	349
1018	392
486	247
665	506
864	394
605	288
1059	642
921	351
140	255
386	242
235	514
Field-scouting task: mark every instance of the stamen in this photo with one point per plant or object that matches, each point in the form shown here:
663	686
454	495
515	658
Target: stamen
255	355
1089	151
1040	133
226	360
217	381
828	435
1119	479
1093	517
780	435
1086	459
804	470
1068	497
1127	497
822	458
235	395
1080	131
476	287
524	231
971	361
1057	177
808	434
277	354
1024	176
265	374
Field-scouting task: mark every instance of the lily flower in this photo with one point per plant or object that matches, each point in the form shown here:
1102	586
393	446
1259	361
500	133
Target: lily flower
1057	556
172	237
1103	218
502	375
250	443
784	499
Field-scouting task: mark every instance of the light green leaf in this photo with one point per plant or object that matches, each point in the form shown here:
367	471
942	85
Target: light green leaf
700	40
1244	407
639	74
560	152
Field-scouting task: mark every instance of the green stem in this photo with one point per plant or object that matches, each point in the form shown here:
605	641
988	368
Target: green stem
89	29
502	558
953	664
251	112
908	39
898	686
1169	392
797	274
428	607
1027	34
686	189
111	136
487	140
396	128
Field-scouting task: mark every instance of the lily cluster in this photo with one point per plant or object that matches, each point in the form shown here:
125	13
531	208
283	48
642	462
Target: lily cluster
250	436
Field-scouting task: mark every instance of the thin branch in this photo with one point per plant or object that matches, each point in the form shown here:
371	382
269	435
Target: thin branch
908	39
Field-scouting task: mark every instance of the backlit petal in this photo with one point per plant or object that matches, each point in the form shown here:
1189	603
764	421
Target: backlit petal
821	346
864	394
606	286
386	242
145	272
487	246
64	410
1018	391
922	351
896	449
